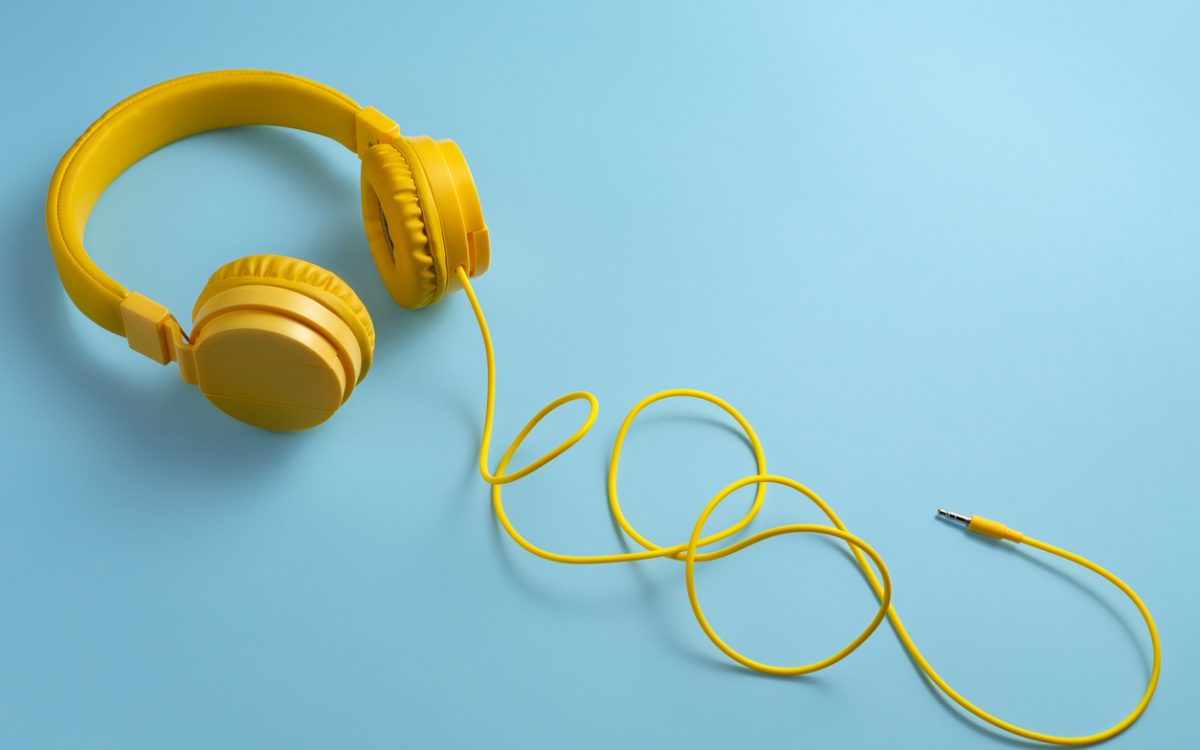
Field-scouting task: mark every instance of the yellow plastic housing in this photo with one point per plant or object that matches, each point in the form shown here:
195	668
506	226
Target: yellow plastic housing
273	357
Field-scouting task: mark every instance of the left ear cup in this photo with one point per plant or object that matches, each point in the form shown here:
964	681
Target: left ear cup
422	218
278	342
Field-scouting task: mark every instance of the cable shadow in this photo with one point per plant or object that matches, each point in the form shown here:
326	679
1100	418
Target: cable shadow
717	660
975	725
658	417
173	428
980	727
649	595
1048	566
648	587
507	550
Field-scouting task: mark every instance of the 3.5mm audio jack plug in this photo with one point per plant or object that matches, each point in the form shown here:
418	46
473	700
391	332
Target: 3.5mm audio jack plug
981	525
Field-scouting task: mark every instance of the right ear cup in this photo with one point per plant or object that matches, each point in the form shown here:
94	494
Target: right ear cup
395	225
278	342
422	218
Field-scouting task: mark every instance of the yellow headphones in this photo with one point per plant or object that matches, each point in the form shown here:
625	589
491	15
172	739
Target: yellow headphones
276	342
280	343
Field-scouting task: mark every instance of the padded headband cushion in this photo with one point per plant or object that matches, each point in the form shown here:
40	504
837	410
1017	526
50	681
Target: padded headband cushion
396	228
302	276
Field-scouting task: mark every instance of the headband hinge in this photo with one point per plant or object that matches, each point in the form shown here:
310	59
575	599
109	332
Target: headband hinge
372	127
150	328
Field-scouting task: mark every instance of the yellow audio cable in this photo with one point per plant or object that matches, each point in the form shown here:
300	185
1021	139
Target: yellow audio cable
689	552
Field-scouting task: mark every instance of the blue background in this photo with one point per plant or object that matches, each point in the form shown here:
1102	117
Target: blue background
938	253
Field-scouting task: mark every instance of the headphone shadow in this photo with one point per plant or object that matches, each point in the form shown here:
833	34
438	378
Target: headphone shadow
172	426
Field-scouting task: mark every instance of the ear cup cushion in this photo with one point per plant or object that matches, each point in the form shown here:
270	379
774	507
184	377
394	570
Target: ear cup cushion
394	221
302	276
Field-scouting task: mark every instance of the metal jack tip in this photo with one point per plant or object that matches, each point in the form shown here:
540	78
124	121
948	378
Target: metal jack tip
954	517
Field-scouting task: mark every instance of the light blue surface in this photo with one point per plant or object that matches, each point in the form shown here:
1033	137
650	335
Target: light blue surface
939	255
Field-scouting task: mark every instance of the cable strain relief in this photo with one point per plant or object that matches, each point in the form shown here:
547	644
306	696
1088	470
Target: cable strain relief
994	529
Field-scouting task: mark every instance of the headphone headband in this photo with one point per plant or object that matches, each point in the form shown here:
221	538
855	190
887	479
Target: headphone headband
162	114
